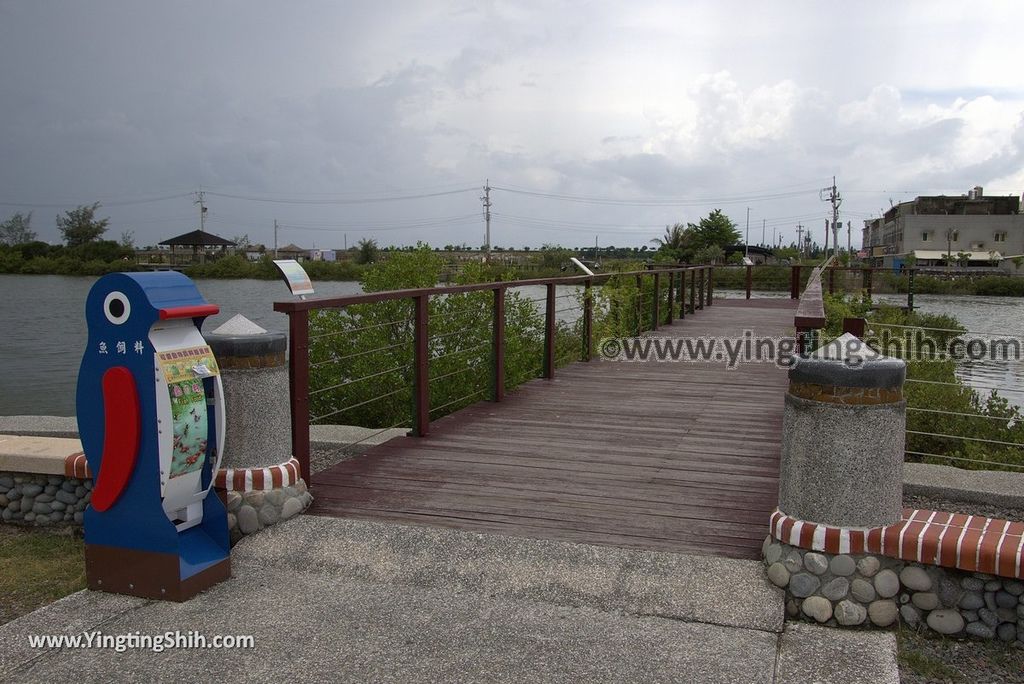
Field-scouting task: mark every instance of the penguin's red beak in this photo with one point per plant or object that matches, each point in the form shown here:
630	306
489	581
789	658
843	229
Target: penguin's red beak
189	311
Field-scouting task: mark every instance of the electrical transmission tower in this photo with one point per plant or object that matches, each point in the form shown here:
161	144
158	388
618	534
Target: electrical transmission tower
836	199
486	199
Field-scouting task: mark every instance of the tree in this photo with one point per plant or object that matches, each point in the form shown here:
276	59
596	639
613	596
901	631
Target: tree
677	242
128	239
17	230
242	242
711	254
715	229
79	226
367	251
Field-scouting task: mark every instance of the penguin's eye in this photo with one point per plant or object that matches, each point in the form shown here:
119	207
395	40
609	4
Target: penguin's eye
117	308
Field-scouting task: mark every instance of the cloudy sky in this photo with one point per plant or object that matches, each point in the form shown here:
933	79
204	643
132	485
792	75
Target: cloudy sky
345	120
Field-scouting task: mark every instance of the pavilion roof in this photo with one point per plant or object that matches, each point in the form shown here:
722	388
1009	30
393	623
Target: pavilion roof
197	238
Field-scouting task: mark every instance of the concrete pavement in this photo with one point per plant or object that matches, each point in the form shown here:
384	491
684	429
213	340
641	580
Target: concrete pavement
347	600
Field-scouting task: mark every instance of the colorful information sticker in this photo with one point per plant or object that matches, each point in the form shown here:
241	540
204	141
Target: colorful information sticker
184	370
296	276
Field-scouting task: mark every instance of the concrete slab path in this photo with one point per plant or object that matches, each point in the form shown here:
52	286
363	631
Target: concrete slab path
349	600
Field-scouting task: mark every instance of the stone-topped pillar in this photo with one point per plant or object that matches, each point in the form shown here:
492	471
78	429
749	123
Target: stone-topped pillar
261	480
843	437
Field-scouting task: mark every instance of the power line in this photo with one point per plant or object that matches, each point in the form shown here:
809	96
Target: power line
103	203
654	202
360	200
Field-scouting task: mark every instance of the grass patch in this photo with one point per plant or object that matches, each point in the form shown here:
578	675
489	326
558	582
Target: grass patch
37	567
927	666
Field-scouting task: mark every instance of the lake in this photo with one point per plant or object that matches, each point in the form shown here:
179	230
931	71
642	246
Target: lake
44	331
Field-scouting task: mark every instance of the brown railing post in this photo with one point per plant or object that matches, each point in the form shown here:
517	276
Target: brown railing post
639	304
867	281
693	290
298	387
549	333
421	373
656	307
700	291
671	298
831	279
682	294
794	282
854	326
588	321
750	279
711	283
498	346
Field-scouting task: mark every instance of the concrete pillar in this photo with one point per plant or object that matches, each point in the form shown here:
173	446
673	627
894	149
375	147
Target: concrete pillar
844	429
252	363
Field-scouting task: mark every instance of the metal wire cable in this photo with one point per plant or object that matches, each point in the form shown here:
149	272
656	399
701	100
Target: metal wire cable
958	413
456	401
365	377
968	439
357	354
349	331
965	460
362	403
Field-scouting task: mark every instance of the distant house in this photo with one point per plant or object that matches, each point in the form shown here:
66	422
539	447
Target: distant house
971	231
255	252
203	246
292	251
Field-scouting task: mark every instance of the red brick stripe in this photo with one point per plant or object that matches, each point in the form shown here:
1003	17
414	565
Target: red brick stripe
952	540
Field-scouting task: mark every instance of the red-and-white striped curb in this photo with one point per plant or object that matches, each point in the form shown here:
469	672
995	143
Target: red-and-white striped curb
257	479
231	479
967	542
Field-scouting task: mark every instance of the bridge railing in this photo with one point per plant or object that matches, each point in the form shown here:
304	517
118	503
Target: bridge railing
810	313
834	279
961	411
401	359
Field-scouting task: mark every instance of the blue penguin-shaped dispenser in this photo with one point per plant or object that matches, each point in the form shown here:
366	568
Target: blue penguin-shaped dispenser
151	419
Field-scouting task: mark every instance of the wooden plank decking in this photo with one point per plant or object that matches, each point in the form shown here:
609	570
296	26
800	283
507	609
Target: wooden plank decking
670	456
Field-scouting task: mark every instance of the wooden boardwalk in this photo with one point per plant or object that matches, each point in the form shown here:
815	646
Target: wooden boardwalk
677	457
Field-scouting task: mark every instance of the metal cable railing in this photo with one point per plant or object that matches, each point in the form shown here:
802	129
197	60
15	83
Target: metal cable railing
963	419
383	360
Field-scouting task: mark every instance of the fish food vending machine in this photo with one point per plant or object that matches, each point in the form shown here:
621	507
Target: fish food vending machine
151	419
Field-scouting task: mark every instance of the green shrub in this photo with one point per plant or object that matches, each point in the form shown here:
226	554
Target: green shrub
361	357
984	430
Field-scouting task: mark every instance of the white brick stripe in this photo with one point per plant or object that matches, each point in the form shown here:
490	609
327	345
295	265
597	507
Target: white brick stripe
920	537
999	544
960	540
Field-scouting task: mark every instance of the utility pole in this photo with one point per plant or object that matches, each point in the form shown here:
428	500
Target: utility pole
746	240
201	201
799	237
774	244
836	199
346	241
487	220
275	238
826	238
763	226
849	243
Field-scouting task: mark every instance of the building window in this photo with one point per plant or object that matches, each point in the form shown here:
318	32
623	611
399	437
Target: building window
925	236
956	236
1000	237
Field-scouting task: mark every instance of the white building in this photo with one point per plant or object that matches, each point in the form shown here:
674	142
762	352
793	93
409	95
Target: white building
976	230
